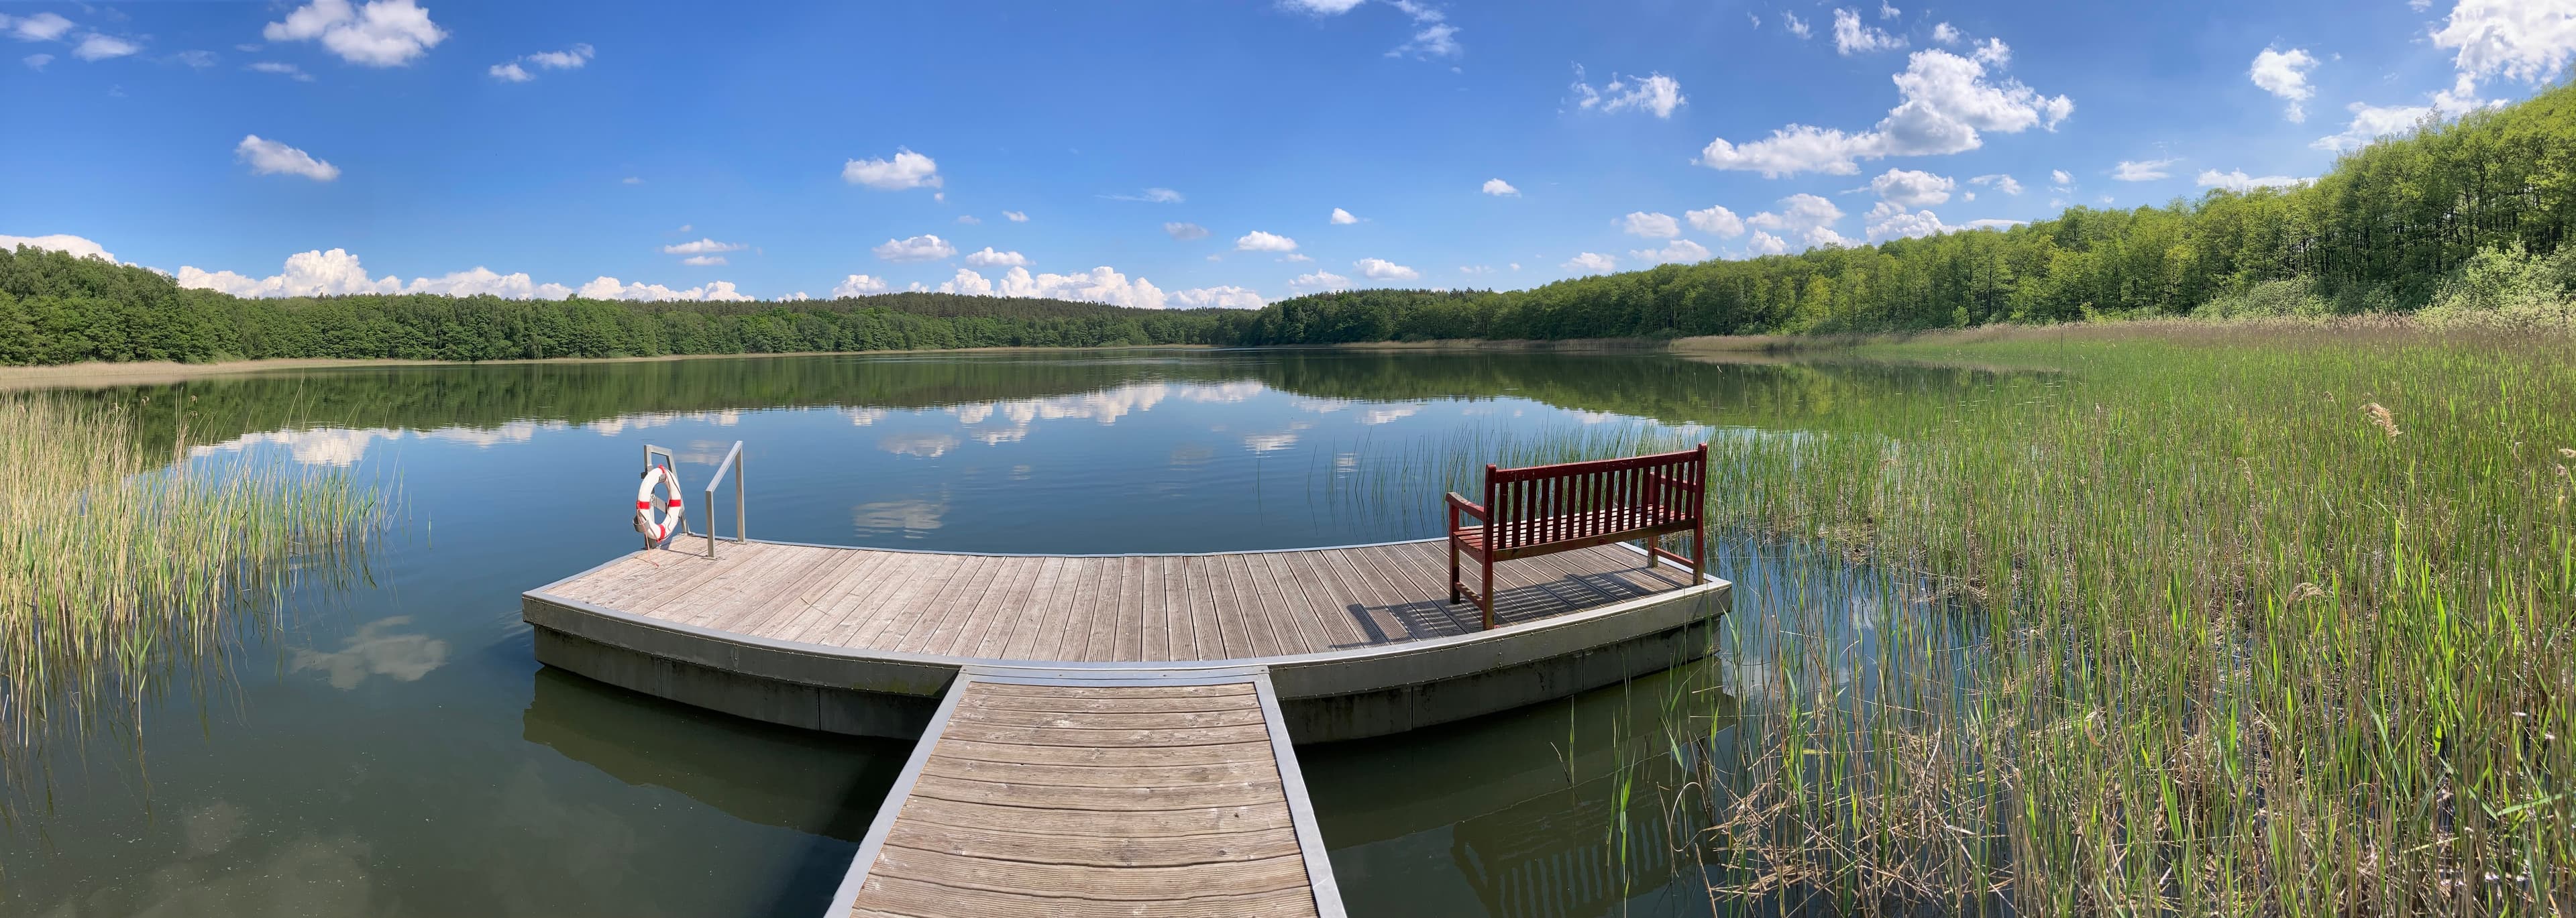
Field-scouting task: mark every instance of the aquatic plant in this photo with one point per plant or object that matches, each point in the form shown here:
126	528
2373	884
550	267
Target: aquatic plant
2240	620
118	563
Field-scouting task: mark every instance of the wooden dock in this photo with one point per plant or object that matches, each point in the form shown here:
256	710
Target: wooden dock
1070	794
1098	608
1110	734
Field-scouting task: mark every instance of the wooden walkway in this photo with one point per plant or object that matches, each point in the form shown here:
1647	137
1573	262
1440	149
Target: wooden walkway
1102	608
1055	794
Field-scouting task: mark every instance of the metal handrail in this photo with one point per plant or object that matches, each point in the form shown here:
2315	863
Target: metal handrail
673	464
732	460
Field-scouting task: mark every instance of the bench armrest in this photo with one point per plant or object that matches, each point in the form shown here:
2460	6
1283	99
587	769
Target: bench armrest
1458	505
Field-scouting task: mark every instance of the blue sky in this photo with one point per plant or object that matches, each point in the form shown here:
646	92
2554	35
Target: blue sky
1162	154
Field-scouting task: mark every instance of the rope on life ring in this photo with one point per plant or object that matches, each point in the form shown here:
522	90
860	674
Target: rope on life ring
657	530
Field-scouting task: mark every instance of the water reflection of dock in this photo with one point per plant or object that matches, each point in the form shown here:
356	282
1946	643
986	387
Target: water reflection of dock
1111	734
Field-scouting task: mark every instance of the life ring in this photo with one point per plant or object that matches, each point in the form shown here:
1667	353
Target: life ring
653	529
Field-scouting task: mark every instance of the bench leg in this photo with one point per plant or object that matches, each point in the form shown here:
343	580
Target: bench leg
1653	543
1488	597
1453	571
1699	555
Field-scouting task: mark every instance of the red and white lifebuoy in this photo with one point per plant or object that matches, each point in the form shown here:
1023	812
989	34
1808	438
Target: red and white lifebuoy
660	529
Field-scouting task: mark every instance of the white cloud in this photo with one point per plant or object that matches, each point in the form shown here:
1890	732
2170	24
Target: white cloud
1912	188
568	59
1795	25
1851	37
36	61
1382	269
1186	231
1677	251
905	171
969	220
1765	244
2237	180
1296	256
39	27
703	247
1323	7
2527	40
2285	74
1890	220
608	288
198	59
1343	217
59	243
1015	216
1435	40
1799	214
1651	226
858	285
314	273
1098	285
97	47
992	259
267	157
2145	170
1150	196
1318	282
1475	269
703	260
1501	189
382	33
1946	34
281	69
1591	263
1258	241
510	71
1717	220
1946	102
915	248
337	273
2061	177
1886	11
1228	297
1654	93
2002	183
2371	122
1991	223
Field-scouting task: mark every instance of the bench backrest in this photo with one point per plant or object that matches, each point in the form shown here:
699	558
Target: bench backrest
1541	504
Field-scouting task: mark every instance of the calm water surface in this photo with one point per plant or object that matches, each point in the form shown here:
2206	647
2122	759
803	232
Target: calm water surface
391	747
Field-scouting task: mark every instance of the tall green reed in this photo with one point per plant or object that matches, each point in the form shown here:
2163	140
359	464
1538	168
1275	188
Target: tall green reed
119	566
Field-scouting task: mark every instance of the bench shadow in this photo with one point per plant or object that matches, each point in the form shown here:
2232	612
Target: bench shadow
1435	617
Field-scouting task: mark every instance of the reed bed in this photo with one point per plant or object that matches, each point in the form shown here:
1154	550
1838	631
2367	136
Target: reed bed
2239	620
120	565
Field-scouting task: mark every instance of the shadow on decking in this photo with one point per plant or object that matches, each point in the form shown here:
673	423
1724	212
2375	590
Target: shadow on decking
1433	618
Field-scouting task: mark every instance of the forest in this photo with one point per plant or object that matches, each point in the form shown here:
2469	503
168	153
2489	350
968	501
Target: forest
2467	216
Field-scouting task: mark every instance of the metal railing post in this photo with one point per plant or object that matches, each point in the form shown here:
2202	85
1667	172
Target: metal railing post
733	462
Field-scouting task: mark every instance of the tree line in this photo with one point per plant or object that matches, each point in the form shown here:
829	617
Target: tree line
2472	213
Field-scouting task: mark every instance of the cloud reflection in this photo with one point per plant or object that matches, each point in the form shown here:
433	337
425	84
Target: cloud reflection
374	651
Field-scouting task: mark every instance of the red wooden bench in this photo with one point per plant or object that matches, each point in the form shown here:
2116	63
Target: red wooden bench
1544	509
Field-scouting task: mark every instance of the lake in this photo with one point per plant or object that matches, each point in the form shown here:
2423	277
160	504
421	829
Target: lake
390	746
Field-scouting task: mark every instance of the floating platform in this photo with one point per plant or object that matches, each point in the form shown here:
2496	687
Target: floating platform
1109	734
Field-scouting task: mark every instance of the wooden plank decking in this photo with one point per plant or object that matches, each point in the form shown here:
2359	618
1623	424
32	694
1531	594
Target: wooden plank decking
1104	792
1131	608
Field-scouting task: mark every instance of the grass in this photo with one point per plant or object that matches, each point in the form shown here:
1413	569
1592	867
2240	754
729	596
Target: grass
118	566
2261	619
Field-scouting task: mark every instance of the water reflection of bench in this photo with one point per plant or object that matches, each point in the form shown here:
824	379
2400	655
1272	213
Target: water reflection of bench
1542	858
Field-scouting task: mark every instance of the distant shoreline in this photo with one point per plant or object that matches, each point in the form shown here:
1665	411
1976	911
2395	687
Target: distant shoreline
103	374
